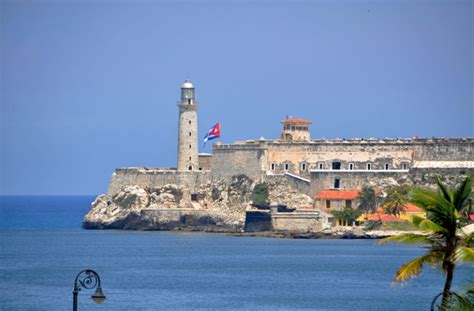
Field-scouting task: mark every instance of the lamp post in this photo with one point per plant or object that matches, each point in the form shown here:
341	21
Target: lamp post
88	279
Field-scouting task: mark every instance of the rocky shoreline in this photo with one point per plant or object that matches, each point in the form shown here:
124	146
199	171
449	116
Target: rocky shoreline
327	235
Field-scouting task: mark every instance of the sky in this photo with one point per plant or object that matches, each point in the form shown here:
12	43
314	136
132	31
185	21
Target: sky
88	86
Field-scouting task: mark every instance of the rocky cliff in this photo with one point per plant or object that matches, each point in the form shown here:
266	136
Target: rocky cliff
218	206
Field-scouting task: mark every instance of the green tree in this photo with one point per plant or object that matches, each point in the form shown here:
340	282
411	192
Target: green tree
448	245
348	215
368	201
260	194
397	197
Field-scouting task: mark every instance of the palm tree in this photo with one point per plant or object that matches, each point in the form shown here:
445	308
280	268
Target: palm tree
396	199
368	200
448	243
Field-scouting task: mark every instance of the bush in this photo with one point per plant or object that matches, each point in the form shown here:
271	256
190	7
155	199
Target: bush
260	194
373	225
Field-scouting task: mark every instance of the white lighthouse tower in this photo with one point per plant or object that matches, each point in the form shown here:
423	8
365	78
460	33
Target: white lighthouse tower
187	129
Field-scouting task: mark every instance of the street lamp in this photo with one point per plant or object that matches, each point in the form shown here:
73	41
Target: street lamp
88	279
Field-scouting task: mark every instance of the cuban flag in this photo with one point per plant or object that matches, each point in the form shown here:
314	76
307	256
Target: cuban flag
213	133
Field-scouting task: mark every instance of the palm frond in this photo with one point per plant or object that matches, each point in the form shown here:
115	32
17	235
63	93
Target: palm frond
429	226
464	255
424	198
408	238
415	267
448	196
416	220
461	302
462	193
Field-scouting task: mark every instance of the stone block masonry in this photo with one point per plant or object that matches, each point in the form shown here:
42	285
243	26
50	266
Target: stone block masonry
190	181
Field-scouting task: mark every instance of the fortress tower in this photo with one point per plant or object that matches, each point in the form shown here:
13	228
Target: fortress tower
295	130
187	129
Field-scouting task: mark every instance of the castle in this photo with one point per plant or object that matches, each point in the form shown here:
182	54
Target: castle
309	165
293	164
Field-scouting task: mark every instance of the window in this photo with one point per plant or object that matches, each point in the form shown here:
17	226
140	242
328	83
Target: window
194	197
405	166
190	168
369	166
348	203
287	166
303	167
273	166
328	203
189	158
321	166
351	166
386	166
336	165
190	122
189	133
337	183
189	146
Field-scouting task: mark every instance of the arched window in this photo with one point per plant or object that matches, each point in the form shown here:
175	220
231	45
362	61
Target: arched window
369	166
190	168
273	166
287	166
404	166
386	166
351	166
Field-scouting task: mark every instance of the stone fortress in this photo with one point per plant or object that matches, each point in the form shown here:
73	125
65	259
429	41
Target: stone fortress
214	190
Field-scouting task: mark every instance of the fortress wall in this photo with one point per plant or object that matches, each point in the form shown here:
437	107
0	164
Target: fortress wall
321	180
230	160
295	183
443	149
151	178
426	177
326	152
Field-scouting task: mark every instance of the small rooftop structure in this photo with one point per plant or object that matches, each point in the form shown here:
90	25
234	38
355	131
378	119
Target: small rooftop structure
295	129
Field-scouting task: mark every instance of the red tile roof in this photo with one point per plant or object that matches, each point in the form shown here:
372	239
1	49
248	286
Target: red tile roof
384	218
408	208
411	208
296	121
338	195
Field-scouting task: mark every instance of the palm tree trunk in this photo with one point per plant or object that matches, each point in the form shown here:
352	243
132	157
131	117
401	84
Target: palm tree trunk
447	285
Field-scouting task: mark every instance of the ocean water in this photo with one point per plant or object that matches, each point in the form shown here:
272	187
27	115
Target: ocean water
42	248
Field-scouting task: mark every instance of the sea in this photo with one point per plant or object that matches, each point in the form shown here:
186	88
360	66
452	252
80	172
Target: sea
43	247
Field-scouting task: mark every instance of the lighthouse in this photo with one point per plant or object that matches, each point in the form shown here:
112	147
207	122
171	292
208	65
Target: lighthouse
187	129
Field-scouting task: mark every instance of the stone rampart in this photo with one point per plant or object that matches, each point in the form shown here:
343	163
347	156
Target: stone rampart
231	160
152	178
297	221
321	180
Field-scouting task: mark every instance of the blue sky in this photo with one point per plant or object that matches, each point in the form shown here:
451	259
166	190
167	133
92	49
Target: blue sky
88	86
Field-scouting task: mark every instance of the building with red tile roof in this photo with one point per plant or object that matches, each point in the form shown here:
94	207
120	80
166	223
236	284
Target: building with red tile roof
295	129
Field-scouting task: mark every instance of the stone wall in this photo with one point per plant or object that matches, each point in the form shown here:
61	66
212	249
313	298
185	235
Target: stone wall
205	161
297	221
321	180
153	178
443	149
237	159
